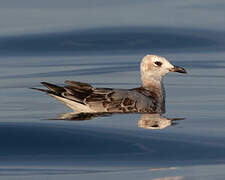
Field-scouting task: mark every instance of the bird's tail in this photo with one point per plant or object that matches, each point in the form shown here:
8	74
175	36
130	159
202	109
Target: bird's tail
63	95
52	89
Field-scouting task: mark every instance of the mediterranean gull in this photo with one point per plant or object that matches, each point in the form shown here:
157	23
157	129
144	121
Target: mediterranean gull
149	98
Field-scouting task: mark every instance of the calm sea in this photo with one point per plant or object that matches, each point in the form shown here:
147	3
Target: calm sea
102	44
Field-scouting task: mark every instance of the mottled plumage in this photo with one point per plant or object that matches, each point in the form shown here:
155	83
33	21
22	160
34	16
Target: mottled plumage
150	97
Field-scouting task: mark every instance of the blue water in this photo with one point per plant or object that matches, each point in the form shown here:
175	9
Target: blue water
107	53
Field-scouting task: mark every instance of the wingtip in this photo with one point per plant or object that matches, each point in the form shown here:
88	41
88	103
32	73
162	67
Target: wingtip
38	89
43	82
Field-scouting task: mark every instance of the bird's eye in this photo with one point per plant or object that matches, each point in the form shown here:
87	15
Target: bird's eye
158	63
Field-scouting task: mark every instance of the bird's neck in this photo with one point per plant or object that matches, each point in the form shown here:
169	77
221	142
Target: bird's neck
155	86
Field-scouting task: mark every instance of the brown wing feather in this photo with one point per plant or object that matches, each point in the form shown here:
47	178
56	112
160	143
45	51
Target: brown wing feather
98	94
53	88
79	86
76	91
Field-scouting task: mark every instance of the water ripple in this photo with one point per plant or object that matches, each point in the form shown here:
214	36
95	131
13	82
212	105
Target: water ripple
106	40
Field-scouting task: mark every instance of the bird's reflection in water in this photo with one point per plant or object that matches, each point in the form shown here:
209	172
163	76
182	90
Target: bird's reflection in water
156	121
146	121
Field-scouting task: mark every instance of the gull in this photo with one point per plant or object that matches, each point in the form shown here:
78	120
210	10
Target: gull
148	98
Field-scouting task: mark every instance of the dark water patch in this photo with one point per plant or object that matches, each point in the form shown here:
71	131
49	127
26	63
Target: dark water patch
99	144
114	39
39	140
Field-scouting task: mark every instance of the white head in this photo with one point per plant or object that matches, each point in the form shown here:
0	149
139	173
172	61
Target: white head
155	67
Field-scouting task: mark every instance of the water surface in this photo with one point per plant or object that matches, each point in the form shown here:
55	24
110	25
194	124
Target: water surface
34	146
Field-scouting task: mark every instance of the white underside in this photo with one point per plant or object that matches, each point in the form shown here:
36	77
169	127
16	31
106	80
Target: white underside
73	105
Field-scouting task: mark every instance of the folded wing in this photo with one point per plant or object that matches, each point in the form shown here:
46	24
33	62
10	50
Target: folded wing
102	99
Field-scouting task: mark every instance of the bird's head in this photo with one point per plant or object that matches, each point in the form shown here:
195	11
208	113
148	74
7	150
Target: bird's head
156	67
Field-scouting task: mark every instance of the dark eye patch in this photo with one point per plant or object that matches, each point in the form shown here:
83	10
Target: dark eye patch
158	63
